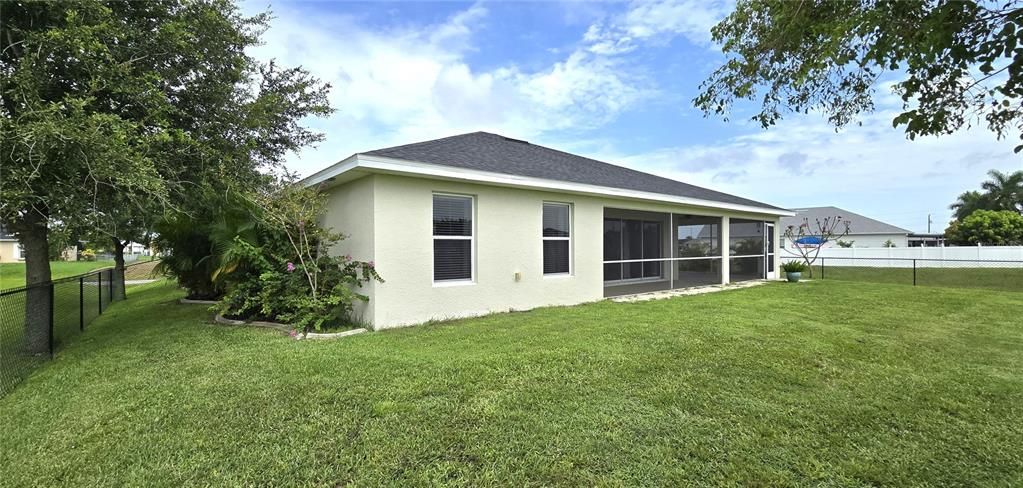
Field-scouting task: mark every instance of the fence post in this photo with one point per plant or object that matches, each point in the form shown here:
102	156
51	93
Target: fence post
49	332
110	283
914	272
81	303
99	290
822	267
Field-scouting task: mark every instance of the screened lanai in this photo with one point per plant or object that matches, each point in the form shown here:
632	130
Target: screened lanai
654	251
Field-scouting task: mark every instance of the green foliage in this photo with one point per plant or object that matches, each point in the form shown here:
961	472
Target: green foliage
114	112
287	274
88	254
747	247
690	248
278	290
845	244
794	267
959	62
197	245
888	243
1002	192
988	227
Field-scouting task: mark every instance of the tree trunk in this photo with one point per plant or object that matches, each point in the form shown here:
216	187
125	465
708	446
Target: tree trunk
118	278
33	234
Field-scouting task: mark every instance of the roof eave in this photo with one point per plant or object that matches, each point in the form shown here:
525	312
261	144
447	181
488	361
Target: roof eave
380	164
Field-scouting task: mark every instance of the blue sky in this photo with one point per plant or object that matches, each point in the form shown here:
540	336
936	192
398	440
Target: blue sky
609	80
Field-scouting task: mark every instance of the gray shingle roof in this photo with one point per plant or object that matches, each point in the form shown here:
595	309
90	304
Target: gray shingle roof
484	151
858	224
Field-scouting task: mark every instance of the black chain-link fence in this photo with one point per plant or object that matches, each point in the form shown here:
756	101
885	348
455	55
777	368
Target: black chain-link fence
37	320
961	273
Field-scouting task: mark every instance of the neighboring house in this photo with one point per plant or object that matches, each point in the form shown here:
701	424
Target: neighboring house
479	223
136	249
926	240
10	249
863	231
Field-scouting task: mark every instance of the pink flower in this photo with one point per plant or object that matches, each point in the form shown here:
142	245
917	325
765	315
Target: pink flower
291	266
293	332
348	257
370	264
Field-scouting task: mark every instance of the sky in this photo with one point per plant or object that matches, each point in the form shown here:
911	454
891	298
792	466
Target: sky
612	81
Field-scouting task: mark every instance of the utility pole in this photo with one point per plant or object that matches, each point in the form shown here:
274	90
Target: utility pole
928	223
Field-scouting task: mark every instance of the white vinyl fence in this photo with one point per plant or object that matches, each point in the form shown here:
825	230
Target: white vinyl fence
927	257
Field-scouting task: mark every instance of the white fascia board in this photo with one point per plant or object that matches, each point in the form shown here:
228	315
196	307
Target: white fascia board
401	166
325	174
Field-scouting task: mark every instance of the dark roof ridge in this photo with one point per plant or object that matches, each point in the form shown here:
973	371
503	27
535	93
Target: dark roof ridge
487	151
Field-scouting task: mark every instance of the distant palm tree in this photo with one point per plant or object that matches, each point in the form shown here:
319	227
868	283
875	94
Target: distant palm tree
968	202
1005	191
1002	192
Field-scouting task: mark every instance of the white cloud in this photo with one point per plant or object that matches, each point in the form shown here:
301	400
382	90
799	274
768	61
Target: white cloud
656	21
404	84
398	85
871	169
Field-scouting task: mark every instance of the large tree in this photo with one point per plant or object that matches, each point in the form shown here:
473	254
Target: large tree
954	63
988	227
114	111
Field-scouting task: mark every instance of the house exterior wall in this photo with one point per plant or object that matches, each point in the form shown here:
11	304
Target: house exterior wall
508	221
9	252
350	211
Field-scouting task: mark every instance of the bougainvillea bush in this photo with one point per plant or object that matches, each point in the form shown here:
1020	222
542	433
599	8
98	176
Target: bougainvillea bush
278	289
286	274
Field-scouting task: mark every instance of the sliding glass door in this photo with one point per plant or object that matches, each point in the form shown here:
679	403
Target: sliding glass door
636	245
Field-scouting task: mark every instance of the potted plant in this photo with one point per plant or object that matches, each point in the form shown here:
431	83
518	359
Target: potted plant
793	270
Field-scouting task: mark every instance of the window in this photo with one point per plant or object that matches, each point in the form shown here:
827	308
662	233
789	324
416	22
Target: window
453	237
557	245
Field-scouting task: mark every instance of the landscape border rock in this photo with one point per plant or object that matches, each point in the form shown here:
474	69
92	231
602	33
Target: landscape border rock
197	302
286	329
334	335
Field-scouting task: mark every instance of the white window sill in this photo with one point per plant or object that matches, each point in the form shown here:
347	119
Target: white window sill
445	284
557	276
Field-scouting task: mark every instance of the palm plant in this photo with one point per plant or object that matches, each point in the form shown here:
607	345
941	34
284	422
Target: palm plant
1005	191
200	248
969	202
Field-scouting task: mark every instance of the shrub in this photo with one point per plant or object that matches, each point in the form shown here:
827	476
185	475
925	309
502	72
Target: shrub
88	255
989	227
793	267
287	274
280	290
193	243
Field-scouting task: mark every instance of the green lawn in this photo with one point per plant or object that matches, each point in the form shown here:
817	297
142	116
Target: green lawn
819	383
1007	278
12	275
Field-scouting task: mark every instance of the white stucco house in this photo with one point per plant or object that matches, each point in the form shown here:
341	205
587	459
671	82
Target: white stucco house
863	231
480	223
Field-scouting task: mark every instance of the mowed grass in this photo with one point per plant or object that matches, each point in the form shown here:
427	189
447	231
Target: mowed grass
1008	278
12	275
819	383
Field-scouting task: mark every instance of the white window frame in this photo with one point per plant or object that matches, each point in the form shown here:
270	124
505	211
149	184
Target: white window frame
571	232
471	238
